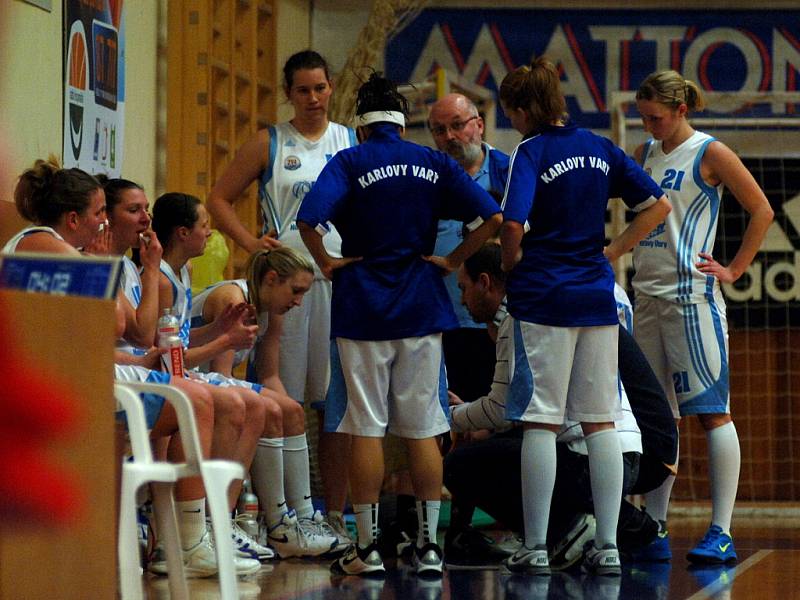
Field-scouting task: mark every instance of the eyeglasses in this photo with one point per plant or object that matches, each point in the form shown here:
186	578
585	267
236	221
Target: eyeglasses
455	127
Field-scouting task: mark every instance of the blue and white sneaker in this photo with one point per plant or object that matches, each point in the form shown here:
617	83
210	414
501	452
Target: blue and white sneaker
715	548
656	551
246	545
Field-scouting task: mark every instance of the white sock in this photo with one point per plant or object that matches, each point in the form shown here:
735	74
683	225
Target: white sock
538	479
605	473
191	521
428	519
266	474
657	500
297	475
367	523
724	461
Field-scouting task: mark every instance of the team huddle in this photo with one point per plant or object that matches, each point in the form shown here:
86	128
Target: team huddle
402	289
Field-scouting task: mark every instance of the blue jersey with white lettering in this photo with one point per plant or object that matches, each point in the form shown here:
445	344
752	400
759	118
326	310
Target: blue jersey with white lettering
560	181
385	198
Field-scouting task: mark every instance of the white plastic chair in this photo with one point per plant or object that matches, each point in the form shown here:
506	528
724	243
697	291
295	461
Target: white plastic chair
141	470
217	477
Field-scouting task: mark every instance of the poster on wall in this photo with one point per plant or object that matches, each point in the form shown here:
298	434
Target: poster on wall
94	85
602	51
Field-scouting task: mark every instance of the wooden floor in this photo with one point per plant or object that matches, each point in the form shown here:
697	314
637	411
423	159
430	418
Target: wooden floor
768	567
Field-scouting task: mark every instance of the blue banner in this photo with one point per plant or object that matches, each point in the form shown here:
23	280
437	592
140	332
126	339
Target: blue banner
602	51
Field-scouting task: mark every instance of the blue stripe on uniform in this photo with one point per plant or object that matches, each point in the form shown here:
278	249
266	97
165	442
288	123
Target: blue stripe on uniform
336	398
520	390
685	242
444	399
703	369
266	176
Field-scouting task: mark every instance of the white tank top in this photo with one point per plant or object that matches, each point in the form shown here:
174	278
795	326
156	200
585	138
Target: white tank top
11	245
295	164
199	301
131	284
182	298
665	259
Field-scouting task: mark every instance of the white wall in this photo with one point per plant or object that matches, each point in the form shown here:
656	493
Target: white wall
294	34
30	84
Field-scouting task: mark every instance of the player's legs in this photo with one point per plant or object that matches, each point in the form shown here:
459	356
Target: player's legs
537	396
706	394
417	400
648	319
189	488
593	400
333	449
189	492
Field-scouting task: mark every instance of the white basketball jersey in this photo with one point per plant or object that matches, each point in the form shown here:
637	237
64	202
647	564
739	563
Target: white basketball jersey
182	298
131	284
665	260
295	164
11	245
199	301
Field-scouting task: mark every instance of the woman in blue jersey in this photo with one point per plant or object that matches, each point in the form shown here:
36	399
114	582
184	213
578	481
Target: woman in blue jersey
561	296
679	317
285	159
279	449
390	306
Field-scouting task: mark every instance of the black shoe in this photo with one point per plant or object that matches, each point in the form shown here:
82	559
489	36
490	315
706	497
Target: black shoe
428	560
471	542
395	542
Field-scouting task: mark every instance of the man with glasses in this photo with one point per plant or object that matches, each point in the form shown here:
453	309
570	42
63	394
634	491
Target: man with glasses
457	129
469	353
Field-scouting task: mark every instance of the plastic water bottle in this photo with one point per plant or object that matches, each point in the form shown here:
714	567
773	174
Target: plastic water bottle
247	511
168	339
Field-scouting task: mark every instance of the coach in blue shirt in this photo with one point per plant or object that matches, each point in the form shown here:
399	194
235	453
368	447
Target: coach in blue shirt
457	129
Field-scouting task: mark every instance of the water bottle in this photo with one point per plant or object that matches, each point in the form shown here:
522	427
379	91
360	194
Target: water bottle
247	511
168	339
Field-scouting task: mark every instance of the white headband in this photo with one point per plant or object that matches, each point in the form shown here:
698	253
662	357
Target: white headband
382	116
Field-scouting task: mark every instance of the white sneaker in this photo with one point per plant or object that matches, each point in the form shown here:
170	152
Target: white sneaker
602	561
201	560
289	539
531	561
247	546
316	527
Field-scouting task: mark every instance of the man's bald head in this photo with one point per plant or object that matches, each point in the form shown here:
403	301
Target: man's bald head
457	129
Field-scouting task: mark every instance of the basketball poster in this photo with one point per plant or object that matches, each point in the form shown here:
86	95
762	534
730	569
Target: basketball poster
94	85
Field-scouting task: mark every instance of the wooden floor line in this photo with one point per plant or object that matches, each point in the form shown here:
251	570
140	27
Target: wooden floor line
714	588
